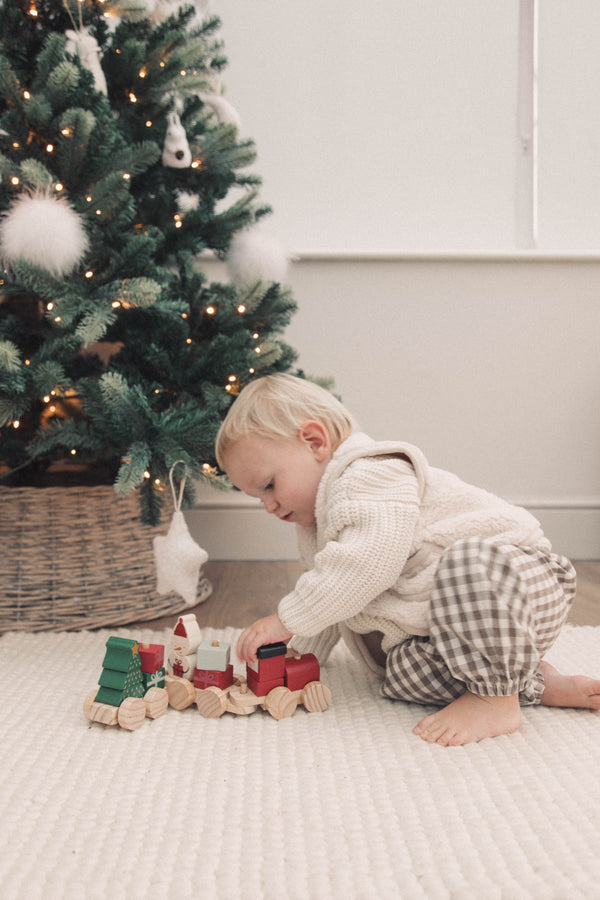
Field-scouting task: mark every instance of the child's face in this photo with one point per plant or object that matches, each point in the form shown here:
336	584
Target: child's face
283	474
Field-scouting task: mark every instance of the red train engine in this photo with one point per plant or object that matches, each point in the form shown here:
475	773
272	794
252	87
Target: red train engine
277	682
274	668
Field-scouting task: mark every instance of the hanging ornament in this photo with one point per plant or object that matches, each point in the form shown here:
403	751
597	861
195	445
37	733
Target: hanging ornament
163	9
219	106
84	45
176	151
177	555
255	257
222	109
44	231
111	18
203	8
186	201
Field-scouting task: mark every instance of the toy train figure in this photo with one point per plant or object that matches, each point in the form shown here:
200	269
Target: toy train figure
134	683
200	672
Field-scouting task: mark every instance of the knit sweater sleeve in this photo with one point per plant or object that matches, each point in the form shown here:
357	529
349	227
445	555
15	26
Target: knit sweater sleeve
371	516
321	644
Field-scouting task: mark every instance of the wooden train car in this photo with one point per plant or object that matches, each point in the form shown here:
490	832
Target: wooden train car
131	685
277	682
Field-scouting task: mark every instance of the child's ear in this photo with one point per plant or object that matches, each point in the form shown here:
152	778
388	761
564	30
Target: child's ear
316	437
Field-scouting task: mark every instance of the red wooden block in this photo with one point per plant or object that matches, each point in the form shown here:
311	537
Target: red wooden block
270	663
258	686
152	657
204	678
299	672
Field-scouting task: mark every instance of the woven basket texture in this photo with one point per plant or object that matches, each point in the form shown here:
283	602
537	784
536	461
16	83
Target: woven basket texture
77	558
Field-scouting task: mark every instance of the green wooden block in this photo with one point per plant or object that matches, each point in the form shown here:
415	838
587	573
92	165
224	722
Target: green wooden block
110	696
120	652
154	679
111	679
115	696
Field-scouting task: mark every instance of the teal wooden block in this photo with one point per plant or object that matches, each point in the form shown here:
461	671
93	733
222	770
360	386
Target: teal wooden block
213	655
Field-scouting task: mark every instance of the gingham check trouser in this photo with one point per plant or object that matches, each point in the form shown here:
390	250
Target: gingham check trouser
495	610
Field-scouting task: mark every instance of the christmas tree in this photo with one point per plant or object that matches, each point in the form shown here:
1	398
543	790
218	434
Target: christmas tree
121	675
119	158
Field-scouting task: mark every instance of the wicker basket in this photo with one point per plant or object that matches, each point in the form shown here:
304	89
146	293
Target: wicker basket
78	558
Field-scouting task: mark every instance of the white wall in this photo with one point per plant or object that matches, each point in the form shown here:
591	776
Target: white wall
437	330
355	110
490	365
398	125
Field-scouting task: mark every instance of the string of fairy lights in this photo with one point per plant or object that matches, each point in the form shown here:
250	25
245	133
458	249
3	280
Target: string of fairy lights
50	400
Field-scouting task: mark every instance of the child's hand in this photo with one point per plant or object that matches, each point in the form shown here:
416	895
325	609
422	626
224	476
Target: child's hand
264	631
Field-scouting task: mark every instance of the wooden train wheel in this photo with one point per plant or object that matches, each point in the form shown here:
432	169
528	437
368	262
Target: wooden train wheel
316	696
182	692
103	713
132	713
157	701
211	702
281	702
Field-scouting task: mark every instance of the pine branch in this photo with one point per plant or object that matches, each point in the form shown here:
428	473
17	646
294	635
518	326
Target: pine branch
133	467
66	434
10	358
76	127
51	57
12	407
61	82
94	325
35	174
10	89
46	375
137	158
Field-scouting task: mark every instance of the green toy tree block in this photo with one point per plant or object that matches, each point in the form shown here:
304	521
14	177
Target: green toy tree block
121	674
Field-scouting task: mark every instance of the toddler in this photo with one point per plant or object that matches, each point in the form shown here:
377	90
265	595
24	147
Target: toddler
449	593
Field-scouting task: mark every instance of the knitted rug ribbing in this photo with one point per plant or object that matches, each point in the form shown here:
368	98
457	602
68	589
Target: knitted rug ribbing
345	803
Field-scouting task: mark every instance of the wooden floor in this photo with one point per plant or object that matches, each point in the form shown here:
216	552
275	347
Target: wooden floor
245	591
586	608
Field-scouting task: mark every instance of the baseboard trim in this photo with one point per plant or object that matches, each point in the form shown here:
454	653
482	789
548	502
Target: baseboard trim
241	533
573	530
238	528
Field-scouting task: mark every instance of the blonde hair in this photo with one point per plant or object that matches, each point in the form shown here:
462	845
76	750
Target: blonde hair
277	406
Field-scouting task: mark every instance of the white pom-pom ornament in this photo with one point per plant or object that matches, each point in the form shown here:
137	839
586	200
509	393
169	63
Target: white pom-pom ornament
44	231
255	257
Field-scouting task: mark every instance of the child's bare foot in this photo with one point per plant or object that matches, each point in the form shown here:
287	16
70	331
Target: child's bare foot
569	690
470	718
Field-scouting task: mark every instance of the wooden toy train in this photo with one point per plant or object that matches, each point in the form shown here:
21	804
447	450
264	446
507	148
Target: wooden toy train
136	681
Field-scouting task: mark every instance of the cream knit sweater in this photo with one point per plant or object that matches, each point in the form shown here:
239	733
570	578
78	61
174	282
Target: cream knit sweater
383	519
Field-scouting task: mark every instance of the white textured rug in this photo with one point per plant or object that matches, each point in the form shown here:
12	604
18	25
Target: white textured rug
346	803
